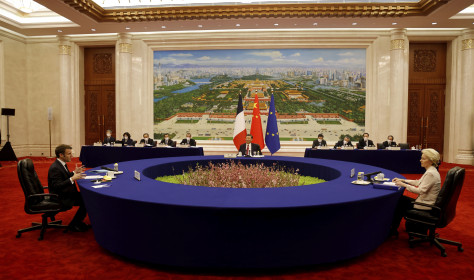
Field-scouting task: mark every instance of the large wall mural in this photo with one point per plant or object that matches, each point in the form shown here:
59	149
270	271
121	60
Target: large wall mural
316	91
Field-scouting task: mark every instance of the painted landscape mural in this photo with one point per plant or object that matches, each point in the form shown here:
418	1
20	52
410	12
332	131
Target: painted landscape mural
316	91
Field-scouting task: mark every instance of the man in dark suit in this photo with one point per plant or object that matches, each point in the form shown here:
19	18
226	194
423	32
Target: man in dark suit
248	148
109	139
319	142
146	140
167	141
389	142
343	143
63	183
365	142
188	140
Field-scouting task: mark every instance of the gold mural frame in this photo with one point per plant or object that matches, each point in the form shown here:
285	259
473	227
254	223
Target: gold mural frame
304	10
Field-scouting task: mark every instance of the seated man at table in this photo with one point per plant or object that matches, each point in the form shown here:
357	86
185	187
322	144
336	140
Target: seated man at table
146	140
248	148
365	142
389	142
320	142
167	141
127	140
188	140
109	139
343	143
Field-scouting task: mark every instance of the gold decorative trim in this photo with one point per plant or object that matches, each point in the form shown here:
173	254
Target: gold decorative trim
397	44
331	10
467	44
65	49
125	48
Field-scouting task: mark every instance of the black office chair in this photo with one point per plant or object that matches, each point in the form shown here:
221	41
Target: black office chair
37	201
421	225
380	146
404	146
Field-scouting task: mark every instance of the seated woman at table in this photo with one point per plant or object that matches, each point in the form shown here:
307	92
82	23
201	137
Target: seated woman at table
147	140
343	143
319	142
427	188
389	142
127	140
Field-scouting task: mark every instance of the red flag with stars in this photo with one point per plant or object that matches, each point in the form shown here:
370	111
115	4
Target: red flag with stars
256	128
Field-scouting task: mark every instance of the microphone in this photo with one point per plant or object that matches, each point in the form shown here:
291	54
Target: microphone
369	175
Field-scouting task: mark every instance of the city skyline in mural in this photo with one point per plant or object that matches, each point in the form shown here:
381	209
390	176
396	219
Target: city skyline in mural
316	91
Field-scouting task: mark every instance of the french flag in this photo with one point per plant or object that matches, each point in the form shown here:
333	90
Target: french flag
239	126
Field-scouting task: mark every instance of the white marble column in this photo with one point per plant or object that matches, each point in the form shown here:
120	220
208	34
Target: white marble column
465	145
124	95
398	109
66	112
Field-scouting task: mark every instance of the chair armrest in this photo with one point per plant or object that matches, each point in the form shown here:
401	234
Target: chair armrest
42	195
434	208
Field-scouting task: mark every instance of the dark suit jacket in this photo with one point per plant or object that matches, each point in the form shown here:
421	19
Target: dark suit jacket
316	143
60	184
108	141
149	142
341	143
192	142
362	143
393	144
254	149
170	142
128	142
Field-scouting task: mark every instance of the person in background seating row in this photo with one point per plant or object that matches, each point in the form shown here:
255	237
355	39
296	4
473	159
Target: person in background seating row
146	140
320	142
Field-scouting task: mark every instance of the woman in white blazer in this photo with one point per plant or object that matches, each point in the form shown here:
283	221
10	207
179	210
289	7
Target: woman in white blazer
427	188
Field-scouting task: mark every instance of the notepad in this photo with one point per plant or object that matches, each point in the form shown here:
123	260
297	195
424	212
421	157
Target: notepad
387	186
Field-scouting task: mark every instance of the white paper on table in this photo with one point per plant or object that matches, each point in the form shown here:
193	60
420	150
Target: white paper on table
389	183
94	177
100	186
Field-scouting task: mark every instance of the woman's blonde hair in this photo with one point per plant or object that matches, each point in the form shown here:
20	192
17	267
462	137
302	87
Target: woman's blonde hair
432	155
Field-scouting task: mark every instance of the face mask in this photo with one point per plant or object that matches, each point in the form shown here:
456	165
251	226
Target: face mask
166	138
108	134
319	140
125	137
366	138
189	138
146	138
345	142
389	141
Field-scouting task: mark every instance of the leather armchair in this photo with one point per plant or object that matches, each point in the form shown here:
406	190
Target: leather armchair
421	225
36	200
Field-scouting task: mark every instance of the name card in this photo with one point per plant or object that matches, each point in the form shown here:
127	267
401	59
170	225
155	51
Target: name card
393	148
370	148
137	175
348	148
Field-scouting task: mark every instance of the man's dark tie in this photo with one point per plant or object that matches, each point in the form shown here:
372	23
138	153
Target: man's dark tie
247	150
67	169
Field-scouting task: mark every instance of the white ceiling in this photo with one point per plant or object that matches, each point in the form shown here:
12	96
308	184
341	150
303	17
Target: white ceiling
55	17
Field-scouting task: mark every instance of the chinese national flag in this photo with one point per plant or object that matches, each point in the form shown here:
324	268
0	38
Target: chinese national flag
256	128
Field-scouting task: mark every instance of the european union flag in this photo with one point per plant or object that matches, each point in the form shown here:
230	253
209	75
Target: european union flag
272	138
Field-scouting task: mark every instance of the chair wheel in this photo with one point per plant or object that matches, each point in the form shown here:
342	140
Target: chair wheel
443	254
18	235
460	249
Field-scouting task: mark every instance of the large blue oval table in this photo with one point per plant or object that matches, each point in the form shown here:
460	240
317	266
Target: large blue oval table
202	227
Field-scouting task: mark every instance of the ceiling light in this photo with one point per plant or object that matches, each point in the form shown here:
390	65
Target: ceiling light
25	6
200	25
434	23
128	28
276	24
59	30
238	24
93	29
315	23
163	26
354	23
394	23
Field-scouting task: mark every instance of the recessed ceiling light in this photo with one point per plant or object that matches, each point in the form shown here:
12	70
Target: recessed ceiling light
163	26
276	24
200	25
354	23
59	30
92	29
394	23
434	23
238	24
128	28
315	23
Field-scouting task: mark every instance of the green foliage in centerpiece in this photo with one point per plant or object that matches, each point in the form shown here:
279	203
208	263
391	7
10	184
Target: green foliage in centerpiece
237	175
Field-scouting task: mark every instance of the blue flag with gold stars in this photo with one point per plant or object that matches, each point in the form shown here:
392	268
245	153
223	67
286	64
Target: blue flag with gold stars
272	137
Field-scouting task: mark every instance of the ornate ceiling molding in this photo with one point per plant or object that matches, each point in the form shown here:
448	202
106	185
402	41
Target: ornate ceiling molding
331	10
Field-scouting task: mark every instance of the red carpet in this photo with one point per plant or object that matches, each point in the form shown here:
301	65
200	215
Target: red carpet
77	255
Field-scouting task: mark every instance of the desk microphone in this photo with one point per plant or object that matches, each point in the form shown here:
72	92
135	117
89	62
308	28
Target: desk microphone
369	175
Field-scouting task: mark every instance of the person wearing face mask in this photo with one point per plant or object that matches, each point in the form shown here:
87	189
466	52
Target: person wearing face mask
365	142
109	139
127	140
188	140
389	142
167	141
320	142
343	143
146	140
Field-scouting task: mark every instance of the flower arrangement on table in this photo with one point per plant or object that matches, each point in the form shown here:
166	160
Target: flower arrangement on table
237	175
